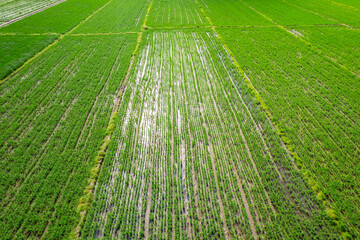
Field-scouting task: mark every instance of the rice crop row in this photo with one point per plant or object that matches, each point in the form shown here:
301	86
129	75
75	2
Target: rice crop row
194	156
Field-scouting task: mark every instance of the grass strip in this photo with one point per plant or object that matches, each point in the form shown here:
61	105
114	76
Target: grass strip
51	45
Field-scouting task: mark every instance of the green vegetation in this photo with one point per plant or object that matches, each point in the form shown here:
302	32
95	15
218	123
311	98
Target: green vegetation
314	109
47	165
167	119
15	50
349	3
183	136
286	14
170	13
232	13
340	43
116	17
14	9
340	11
58	19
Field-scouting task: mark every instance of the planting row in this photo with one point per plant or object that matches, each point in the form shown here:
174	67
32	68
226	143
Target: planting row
18	48
15	50
58	19
340	43
194	156
290	15
117	16
340	11
231	13
13	9
170	13
242	13
315	103
53	118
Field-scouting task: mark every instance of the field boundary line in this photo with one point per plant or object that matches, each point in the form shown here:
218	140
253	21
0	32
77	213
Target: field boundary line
176	27
322	16
51	45
88	194
101	34
171	28
86	122
244	198
317	50
31	13
345	5
307	174
259	133
88	17
31	59
230	104
273	26
307	42
29	34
